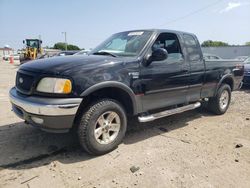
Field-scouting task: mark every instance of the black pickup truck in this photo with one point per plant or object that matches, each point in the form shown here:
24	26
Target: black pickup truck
146	73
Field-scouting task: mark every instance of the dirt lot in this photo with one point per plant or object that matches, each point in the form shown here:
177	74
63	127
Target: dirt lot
193	149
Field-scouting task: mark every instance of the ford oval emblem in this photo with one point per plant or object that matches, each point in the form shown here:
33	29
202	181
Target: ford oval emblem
20	80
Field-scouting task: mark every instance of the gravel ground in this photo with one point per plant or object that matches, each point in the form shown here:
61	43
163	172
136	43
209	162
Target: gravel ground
192	149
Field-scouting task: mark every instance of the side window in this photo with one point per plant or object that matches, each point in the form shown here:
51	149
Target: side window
193	48
170	42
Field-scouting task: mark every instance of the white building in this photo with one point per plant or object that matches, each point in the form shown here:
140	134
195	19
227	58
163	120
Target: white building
6	52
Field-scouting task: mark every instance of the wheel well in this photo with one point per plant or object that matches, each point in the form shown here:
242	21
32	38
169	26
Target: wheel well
228	81
112	93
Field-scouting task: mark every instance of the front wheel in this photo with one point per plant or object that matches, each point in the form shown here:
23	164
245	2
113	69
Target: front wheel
220	103
102	127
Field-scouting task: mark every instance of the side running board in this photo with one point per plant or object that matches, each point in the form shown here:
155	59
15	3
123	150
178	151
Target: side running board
162	114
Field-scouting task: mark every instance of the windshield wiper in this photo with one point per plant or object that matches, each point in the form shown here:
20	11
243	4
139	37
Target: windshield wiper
105	53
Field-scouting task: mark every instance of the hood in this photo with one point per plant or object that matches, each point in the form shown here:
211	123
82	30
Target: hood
58	65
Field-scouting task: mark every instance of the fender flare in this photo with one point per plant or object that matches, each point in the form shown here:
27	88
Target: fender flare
227	76
114	84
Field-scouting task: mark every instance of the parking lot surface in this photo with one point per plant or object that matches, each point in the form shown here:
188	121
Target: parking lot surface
192	149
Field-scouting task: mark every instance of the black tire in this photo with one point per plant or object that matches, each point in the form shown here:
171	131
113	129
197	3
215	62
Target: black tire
214	102
88	122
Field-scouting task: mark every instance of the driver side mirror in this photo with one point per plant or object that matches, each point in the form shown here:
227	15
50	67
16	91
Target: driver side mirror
159	54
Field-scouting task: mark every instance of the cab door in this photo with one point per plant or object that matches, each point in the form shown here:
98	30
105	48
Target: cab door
165	83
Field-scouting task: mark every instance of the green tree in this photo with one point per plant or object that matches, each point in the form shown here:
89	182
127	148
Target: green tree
210	43
72	47
247	43
61	46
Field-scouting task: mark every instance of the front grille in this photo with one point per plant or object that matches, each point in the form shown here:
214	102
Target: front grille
24	82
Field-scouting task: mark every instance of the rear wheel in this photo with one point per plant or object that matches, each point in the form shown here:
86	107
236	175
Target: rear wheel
102	127
220	103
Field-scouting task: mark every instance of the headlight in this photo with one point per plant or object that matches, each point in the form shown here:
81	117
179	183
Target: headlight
54	85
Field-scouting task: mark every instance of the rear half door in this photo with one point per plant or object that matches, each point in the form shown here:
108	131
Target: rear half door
194	58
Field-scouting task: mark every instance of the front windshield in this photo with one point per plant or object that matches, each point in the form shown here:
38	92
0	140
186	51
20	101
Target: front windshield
247	61
32	43
124	44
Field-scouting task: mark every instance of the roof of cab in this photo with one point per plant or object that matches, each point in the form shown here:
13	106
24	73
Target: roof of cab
160	31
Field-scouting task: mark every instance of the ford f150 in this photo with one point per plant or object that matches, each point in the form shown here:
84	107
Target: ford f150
146	73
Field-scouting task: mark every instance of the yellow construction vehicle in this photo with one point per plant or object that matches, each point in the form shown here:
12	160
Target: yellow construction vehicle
33	49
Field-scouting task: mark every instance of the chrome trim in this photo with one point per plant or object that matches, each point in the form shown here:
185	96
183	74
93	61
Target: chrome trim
162	114
44	107
236	69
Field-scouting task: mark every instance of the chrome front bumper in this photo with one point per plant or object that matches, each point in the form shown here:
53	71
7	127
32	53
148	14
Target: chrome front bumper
49	114
45	106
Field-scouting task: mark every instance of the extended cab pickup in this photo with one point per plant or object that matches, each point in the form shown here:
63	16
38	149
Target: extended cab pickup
146	73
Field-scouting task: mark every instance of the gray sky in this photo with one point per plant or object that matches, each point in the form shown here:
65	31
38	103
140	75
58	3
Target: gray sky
89	22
